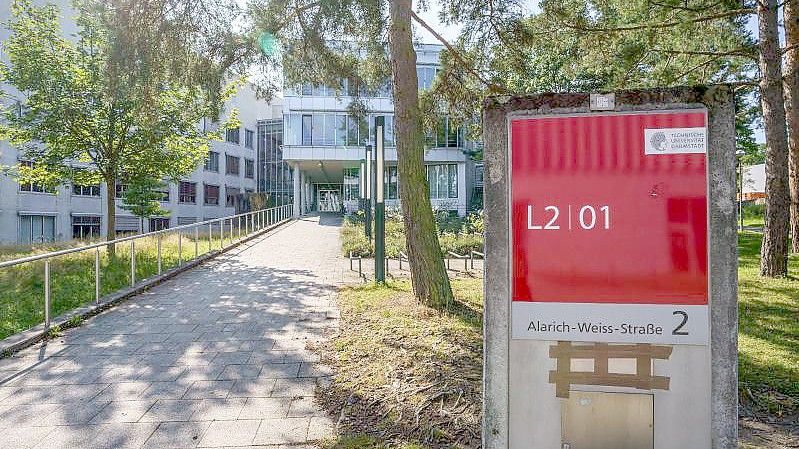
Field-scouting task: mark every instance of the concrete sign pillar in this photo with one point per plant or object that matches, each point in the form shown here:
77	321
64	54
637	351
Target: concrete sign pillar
611	270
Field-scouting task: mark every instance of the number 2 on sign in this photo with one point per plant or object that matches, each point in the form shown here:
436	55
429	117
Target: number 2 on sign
587	217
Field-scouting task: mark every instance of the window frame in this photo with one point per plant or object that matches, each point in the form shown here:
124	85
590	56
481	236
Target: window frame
207	197
210	165
229	167
233	135
249	168
182	196
93	225
249	138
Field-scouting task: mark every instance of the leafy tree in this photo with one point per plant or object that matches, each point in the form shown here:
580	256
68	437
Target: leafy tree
611	44
325	42
143	198
123	96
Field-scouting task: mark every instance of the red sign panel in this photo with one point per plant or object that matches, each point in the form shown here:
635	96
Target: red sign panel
610	209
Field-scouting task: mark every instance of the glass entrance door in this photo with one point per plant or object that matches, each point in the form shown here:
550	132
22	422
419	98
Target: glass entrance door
329	200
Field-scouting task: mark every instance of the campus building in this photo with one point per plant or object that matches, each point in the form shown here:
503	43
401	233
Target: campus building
324	145
304	146
30	213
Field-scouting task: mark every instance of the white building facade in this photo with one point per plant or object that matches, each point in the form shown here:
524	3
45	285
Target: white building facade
324	145
31	214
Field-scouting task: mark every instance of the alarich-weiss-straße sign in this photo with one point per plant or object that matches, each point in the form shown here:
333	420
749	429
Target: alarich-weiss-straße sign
609	227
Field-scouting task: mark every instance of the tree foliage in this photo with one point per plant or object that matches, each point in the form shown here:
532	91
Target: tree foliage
128	95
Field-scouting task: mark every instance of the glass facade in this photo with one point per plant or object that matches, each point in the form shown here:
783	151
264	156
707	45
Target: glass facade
36	228
274	175
425	76
443	180
351	184
346	87
391	189
331	129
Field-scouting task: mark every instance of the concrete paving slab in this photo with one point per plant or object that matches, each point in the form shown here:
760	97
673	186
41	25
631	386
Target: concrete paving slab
204	359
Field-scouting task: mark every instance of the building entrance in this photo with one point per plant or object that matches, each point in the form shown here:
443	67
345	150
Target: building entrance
329	200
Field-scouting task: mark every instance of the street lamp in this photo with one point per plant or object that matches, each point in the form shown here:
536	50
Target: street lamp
738	157
368	193
380	207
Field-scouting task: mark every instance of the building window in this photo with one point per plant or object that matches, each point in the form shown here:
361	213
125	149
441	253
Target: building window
33	186
186	220
443	180
446	135
159	223
249	138
85	226
425	76
232	135
212	162
36	229
351	181
120	189
391	189
307	129
249	168
231	193
88	190
211	194
187	192
231	165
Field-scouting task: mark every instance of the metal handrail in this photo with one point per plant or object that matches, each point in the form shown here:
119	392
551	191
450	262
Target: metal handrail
254	221
473	253
403	256
459	256
62	252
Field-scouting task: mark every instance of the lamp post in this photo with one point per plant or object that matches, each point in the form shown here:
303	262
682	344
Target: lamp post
368	194
738	157
380	207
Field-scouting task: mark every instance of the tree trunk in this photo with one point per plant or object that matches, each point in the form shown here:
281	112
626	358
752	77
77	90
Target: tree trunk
428	274
774	250
791	86
111	213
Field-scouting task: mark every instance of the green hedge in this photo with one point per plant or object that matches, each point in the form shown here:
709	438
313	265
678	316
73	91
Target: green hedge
457	234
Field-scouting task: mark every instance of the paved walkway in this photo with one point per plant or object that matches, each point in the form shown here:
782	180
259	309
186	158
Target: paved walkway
216	357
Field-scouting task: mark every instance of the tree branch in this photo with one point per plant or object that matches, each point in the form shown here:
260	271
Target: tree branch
660	25
493	87
739	52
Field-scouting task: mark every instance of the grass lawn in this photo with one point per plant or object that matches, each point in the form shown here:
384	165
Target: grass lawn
768	339
405	373
408	375
72	276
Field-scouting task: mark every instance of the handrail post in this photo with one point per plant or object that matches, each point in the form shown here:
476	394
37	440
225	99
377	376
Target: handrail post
47	293
239	227
133	263
196	242
97	275
180	248
159	253
210	237
221	235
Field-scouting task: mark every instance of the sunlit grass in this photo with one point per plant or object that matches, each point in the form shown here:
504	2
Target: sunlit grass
768	339
72	276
